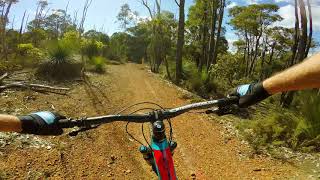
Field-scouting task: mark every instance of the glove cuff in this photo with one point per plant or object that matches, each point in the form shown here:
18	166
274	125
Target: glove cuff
261	92
30	124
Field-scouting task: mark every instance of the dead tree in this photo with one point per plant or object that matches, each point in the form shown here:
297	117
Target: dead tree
86	6
81	30
21	26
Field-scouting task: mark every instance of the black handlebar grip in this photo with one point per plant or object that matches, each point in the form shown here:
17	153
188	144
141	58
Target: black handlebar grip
67	123
229	101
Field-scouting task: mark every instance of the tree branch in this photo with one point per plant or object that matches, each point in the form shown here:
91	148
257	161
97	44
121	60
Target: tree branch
145	3
177	3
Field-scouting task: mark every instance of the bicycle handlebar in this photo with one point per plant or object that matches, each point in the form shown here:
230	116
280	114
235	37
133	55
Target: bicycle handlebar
148	117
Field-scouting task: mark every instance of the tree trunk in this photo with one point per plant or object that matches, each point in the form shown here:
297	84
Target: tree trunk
310	29
180	42
21	26
263	56
204	38
304	32
296	36
301	49
215	51
4	19
272	52
167	68
212	35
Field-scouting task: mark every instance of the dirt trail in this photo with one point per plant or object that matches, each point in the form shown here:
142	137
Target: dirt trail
108	153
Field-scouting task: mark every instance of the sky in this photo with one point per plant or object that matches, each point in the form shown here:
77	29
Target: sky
102	13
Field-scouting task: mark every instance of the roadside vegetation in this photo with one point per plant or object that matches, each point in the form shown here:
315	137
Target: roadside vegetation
191	51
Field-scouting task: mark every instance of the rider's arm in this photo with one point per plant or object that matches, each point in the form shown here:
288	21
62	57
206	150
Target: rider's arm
40	123
301	76
10	123
305	75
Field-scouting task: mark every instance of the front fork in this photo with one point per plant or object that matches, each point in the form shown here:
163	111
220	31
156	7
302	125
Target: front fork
158	136
148	156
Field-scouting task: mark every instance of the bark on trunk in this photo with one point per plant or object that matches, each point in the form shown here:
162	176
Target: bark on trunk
180	42
212	35
204	39
221	13
310	29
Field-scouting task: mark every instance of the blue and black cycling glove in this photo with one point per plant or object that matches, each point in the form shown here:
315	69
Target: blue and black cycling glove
41	123
250	94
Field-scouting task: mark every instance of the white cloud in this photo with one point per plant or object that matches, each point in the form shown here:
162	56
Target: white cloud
231	5
287	13
253	1
287	1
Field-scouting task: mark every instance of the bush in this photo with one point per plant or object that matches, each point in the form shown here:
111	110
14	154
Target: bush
24	48
228	72
98	63
60	65
65	71
27	56
91	48
198	82
285	128
29	52
60	52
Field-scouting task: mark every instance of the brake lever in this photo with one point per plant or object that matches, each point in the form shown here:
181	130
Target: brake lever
83	129
221	111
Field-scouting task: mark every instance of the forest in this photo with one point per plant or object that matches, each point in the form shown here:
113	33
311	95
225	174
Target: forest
187	48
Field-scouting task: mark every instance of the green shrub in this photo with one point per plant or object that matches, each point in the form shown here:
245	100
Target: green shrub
29	54
99	63
285	128
64	71
60	65
91	48
60	52
275	129
24	48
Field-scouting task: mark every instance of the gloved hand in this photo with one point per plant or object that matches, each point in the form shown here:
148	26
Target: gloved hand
250	94
41	123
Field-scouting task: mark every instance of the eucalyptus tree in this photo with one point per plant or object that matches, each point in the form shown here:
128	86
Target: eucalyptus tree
251	23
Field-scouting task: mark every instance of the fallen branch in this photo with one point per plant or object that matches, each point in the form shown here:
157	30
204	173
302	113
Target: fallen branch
36	87
2	77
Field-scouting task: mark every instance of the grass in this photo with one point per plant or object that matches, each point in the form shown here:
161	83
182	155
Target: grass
298	130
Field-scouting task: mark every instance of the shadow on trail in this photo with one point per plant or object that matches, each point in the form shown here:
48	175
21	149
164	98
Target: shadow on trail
97	96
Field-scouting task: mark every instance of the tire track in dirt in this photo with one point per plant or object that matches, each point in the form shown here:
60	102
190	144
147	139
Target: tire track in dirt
201	148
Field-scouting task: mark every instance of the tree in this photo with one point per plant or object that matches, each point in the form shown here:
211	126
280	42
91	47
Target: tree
118	46
5	7
126	16
251	22
98	36
138	41
205	33
158	41
180	41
